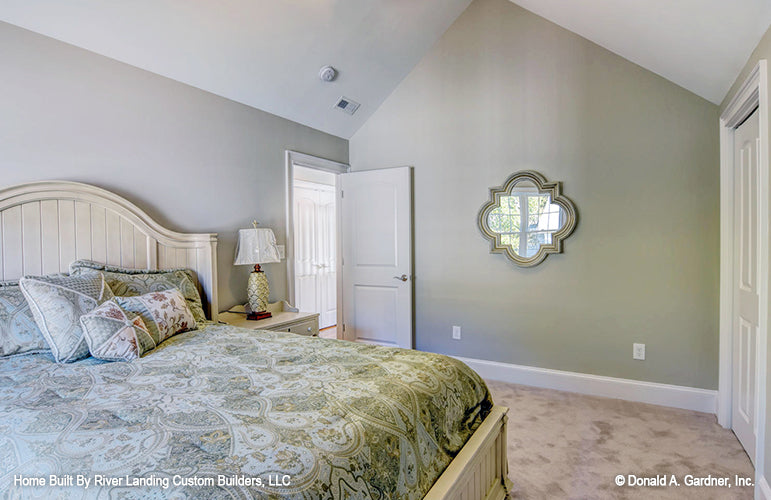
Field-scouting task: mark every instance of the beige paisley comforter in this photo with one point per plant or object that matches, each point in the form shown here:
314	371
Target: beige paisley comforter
224	412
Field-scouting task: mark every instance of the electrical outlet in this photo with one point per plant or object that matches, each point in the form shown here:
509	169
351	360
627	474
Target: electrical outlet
456	333
638	351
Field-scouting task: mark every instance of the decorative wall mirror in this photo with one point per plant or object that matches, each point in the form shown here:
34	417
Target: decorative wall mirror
527	218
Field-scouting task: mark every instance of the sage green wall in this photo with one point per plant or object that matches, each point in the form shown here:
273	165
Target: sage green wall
505	90
762	51
194	161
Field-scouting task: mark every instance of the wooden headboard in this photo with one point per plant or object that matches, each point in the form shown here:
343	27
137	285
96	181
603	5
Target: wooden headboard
46	225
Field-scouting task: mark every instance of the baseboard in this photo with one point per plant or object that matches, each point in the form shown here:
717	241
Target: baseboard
676	396
763	491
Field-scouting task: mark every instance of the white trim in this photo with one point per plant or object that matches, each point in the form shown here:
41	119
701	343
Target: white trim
676	396
310	161
746	98
725	375
305	160
764	179
762	490
754	93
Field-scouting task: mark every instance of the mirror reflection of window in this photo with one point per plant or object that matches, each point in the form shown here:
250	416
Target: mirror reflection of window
526	219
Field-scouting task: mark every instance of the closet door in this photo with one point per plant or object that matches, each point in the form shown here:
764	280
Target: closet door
315	251
305	240
326	290
746	283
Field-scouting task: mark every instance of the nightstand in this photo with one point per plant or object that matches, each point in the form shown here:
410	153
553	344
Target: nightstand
285	319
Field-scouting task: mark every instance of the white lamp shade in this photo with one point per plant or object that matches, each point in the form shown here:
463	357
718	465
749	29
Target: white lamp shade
256	246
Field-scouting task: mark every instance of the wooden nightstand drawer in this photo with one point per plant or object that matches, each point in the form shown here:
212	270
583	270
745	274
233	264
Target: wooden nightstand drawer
309	327
285	319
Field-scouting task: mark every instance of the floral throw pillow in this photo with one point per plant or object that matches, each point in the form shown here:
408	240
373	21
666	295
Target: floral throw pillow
19	333
113	334
127	282
57	303
165	313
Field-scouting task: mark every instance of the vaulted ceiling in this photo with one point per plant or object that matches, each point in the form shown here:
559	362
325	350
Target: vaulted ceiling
267	53
263	53
701	45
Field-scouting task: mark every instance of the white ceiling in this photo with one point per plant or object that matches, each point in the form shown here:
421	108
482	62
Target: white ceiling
264	53
701	45
267	53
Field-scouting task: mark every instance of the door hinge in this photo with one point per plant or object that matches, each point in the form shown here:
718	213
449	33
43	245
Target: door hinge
343	326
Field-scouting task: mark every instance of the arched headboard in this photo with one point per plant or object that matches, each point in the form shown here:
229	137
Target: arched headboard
46	225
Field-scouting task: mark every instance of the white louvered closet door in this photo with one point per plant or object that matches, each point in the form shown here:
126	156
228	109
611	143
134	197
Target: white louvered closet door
315	258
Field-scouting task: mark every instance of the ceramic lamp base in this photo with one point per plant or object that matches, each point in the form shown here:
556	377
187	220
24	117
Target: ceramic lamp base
258	291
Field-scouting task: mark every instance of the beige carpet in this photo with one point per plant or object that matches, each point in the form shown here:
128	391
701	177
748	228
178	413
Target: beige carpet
565	445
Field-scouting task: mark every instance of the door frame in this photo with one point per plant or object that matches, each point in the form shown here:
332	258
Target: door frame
752	94
293	158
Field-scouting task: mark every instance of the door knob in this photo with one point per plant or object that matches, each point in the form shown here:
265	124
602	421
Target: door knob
403	277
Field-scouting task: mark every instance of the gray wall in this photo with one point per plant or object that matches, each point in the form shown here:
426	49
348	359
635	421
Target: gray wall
194	161
505	90
762	51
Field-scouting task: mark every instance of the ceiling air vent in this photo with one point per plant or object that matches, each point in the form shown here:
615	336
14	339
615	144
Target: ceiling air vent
347	105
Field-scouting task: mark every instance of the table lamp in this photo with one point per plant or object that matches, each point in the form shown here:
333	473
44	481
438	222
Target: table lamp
257	246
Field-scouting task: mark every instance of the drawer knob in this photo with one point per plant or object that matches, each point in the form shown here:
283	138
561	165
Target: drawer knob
309	328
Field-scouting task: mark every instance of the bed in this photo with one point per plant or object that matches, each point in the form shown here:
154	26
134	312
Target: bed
222	412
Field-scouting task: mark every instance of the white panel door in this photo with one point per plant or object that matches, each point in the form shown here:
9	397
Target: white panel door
305	246
315	240
377	256
326	258
746	300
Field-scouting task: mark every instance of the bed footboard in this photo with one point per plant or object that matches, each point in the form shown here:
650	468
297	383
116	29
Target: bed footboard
480	470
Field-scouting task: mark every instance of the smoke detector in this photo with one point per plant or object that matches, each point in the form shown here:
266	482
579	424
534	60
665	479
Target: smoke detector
327	73
347	105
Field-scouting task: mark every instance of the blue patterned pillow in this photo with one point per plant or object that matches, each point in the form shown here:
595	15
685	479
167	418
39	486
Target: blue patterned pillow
127	282
18	332
114	334
57	303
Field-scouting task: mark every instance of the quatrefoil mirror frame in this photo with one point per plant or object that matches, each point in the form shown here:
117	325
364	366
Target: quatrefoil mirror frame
553	189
